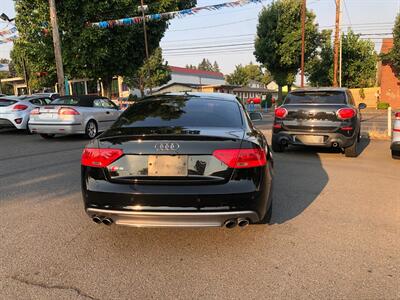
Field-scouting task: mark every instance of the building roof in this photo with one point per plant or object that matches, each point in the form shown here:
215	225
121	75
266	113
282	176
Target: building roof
189	85
247	89
194	72
387	45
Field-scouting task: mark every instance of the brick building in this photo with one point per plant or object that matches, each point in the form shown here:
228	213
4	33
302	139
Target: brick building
390	84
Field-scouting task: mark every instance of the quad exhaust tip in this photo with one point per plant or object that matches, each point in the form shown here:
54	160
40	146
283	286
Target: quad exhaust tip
107	221
97	220
243	223
231	223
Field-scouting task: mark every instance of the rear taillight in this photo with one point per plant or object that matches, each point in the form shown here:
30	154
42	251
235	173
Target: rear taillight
346	113
241	158
397	116
35	111
281	113
100	158
67	111
20	107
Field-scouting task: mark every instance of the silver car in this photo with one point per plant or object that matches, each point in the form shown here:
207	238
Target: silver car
395	147
15	111
87	115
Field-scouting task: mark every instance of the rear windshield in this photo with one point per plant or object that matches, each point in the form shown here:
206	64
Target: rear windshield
66	101
185	112
317	97
6	102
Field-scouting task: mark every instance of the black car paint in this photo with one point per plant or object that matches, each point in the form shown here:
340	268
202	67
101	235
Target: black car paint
229	190
317	120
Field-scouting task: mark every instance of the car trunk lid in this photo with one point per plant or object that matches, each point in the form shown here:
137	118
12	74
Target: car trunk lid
170	155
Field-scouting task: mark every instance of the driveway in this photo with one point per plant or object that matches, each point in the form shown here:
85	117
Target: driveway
334	234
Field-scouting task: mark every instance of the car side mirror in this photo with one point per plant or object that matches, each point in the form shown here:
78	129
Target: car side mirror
362	106
255	116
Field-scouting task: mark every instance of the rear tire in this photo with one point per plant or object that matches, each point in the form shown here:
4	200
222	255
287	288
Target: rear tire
268	216
277	147
352	151
47	136
91	129
395	154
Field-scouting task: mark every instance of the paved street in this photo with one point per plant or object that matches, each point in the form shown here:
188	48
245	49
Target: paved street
335	234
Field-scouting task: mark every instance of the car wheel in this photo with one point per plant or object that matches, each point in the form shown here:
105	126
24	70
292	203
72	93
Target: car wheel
47	136
91	129
352	151
277	147
395	154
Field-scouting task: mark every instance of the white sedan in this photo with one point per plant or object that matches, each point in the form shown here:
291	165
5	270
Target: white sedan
86	115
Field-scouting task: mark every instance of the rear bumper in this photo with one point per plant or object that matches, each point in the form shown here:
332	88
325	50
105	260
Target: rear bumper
9	121
329	139
172	219
54	128
395	146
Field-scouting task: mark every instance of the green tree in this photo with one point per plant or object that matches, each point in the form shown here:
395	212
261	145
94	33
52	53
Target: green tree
152	74
278	42
358	62
205	65
238	76
216	67
242	74
89	52
393	57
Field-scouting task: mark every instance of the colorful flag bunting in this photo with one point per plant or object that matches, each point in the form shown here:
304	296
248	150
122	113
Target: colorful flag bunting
169	15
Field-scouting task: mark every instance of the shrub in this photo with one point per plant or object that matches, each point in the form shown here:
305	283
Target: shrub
362	94
383	105
267	102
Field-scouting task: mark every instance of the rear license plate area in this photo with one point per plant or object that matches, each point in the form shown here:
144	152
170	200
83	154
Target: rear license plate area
167	165
309	139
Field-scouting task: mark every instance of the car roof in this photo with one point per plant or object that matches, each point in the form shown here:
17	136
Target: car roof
84	100
10	98
27	98
320	89
216	96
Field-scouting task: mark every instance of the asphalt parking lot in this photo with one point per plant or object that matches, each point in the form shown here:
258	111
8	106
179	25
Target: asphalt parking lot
334	234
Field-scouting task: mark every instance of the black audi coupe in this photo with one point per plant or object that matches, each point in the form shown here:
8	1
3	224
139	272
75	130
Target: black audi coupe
180	160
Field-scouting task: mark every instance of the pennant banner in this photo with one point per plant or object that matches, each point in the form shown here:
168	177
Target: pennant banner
169	15
8	31
9	39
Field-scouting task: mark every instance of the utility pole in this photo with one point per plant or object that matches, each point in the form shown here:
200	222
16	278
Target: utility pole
340	50
145	39
336	46
303	39
57	47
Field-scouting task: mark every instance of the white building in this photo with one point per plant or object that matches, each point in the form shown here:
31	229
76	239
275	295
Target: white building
197	77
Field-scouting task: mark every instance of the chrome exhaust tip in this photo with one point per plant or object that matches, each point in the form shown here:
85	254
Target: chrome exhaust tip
97	220
107	221
243	223
231	223
335	145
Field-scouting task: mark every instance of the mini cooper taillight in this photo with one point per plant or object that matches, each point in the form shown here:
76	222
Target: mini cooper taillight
18	107
241	158
397	116
67	111
281	113
346	113
100	158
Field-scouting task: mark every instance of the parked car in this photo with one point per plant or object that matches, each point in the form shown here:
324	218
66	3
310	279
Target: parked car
14	111
52	96
395	146
87	115
179	160
324	117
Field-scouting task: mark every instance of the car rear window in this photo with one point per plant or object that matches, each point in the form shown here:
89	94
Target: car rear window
6	102
184	111
66	101
316	97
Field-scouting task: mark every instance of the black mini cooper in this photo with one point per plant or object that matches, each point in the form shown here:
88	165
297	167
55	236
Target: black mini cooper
179	160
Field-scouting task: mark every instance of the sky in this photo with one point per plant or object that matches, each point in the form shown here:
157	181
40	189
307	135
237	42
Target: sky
235	26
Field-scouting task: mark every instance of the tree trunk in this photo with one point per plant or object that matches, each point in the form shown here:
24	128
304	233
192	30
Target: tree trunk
280	95
107	87
289	87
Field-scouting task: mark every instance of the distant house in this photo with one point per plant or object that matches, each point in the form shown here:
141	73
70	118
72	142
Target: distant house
390	84
177	88
191	76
